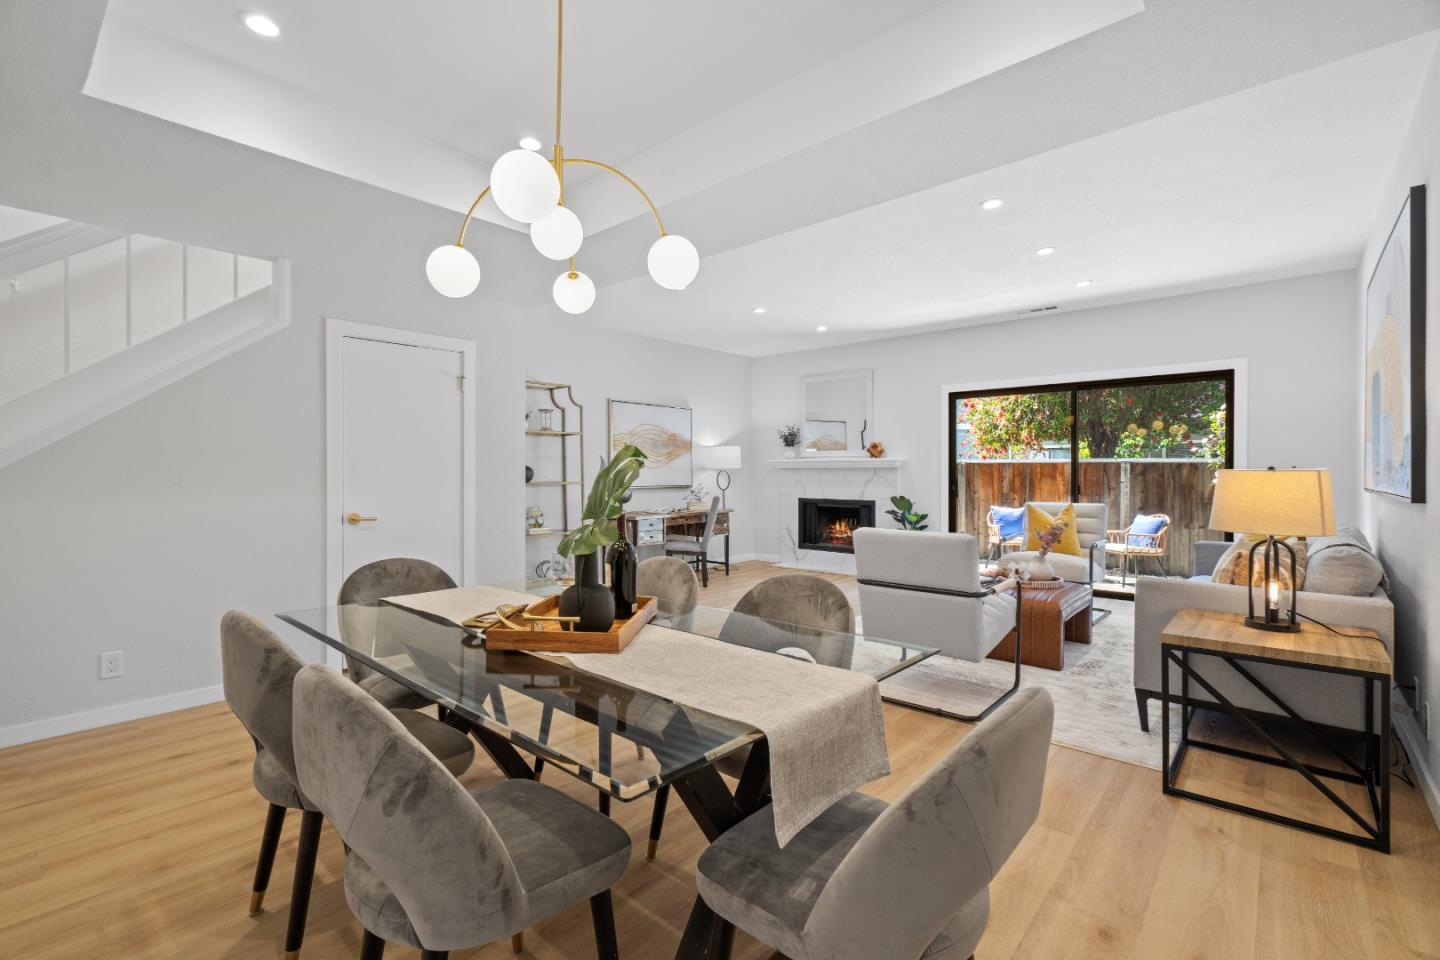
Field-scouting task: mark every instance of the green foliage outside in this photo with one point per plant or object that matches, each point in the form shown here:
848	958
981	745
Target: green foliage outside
1181	420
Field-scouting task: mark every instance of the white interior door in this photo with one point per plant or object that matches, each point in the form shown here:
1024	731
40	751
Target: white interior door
402	489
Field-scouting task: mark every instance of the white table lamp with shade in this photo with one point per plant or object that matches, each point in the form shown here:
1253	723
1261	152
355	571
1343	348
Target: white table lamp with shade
1279	504
723	459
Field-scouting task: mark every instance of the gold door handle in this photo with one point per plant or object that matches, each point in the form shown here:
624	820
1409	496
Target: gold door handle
355	518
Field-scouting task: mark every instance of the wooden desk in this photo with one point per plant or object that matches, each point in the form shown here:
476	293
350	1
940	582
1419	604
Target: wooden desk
688	522
1350	651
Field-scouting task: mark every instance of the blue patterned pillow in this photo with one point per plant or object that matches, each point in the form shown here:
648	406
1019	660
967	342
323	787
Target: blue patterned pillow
1144	525
1010	520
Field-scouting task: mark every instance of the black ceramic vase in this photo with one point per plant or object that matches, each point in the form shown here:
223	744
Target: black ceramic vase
622	576
588	598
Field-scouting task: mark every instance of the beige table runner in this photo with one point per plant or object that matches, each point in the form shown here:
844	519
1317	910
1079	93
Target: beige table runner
825	726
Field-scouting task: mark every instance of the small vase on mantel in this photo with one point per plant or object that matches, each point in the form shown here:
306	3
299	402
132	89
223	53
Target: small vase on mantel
789	453
588	598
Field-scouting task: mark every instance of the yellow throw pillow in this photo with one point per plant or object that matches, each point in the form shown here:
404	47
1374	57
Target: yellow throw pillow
1037	520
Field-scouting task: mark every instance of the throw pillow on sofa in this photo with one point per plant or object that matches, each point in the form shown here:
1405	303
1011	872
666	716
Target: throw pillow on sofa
1231	566
1037	520
1344	564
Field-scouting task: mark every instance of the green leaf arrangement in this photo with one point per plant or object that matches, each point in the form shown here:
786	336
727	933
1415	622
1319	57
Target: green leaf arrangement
597	524
905	515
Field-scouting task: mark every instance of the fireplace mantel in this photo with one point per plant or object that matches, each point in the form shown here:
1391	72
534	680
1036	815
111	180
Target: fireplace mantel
837	463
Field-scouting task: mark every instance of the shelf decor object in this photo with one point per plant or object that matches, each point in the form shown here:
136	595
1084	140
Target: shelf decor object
530	189
1279	504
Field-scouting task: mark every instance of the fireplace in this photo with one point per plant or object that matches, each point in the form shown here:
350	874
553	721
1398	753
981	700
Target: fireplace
831	524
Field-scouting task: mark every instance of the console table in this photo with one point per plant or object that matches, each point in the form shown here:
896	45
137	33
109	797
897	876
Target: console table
651	527
1349	651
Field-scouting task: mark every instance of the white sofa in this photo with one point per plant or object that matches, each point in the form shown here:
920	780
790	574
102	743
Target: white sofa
1091	521
1344	562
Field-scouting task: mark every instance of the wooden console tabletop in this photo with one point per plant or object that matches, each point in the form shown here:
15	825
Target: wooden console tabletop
1312	646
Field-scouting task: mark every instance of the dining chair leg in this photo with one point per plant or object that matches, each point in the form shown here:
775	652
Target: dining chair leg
704	570
657	821
604	804
602	911
372	947
269	840
310	822
517	943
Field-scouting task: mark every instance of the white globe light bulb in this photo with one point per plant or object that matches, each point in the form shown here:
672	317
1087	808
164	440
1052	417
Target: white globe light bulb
673	262
559	235
574	293
524	186
452	271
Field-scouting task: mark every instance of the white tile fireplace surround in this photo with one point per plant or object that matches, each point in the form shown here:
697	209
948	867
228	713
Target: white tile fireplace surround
830	478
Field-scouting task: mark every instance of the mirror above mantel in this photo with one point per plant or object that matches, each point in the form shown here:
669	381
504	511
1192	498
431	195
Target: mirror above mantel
838	413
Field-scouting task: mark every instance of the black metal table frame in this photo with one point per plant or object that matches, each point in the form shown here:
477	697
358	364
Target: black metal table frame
1374	775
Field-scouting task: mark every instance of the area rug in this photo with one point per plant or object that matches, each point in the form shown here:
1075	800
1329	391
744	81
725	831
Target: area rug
1094	695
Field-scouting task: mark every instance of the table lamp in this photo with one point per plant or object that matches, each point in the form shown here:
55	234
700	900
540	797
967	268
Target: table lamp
723	459
1279	503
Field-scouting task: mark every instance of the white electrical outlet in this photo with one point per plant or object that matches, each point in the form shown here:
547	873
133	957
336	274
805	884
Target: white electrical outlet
112	664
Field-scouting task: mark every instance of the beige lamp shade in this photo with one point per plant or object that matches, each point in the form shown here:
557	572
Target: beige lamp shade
1282	503
724	457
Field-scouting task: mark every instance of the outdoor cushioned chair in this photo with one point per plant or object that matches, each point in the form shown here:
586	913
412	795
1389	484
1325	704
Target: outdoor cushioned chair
431	864
790	615
258	671
361	592
1005	530
903	881
1145	537
924	588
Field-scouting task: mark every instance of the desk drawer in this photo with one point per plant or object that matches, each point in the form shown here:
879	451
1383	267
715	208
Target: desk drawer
649	531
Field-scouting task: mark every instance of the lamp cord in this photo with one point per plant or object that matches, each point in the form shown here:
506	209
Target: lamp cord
1321	623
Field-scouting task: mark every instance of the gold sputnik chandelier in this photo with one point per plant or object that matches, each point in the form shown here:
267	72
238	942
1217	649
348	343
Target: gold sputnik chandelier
530	189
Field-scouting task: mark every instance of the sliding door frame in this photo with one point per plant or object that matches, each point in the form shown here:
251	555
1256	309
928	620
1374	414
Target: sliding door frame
1231	372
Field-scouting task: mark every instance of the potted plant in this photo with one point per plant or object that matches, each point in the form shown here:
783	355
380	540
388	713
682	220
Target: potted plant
587	598
905	515
789	439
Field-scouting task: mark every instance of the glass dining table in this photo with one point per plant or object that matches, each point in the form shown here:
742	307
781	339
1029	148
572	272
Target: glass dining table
623	741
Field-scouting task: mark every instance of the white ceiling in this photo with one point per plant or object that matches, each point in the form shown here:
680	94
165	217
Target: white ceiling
828	156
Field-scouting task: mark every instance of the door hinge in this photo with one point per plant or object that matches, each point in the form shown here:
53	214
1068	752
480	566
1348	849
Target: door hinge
460	383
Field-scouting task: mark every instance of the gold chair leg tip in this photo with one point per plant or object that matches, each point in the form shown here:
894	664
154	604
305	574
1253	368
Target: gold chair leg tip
292	955
651	849
257	902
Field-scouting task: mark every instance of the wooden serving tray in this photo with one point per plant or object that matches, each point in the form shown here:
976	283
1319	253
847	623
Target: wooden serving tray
553	638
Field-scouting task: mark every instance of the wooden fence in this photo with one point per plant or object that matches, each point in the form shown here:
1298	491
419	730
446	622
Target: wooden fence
1181	489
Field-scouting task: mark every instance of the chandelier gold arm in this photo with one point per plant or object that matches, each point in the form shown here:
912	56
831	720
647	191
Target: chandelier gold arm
638	189
469	215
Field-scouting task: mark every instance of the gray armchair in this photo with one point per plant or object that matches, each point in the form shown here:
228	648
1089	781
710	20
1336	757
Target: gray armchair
868	879
361	594
258	670
431	864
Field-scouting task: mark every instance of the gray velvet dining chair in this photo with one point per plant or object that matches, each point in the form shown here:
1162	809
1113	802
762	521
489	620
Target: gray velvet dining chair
788	615
431	864
697	549
359	597
671	582
258	671
903	881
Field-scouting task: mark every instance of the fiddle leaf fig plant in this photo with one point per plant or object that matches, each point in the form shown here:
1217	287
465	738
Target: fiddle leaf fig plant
905	515
597	523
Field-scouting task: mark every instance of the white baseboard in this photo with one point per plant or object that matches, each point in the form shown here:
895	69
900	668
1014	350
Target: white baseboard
763	557
1409	732
105	716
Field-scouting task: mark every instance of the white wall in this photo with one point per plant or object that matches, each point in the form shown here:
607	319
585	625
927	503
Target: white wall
1296	336
1408	535
139	531
604	365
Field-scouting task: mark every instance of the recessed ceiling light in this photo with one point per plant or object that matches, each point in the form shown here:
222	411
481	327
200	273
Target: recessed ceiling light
759	309
1083	283
821	329
1044	251
994	203
529	143
262	25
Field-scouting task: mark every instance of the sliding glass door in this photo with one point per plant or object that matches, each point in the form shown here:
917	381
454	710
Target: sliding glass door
1146	445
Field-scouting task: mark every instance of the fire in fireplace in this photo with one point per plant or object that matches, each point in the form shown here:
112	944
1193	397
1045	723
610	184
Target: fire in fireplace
831	524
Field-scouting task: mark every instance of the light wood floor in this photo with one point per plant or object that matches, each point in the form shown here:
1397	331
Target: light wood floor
138	841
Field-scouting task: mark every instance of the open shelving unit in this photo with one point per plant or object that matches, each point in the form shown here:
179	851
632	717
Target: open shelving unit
568	431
